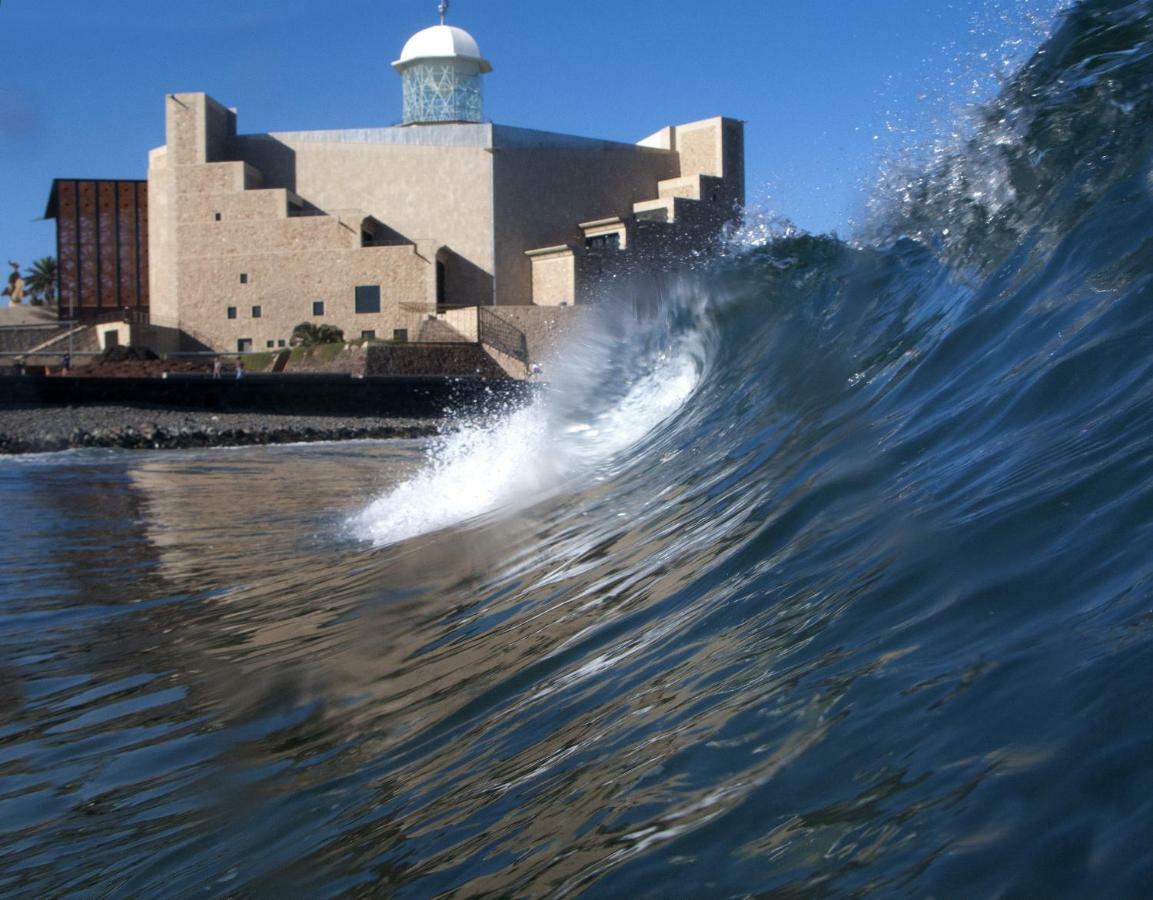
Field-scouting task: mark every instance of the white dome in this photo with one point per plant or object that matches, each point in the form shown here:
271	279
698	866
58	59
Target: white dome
442	42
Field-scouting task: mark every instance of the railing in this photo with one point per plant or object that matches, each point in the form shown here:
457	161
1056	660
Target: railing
501	335
33	326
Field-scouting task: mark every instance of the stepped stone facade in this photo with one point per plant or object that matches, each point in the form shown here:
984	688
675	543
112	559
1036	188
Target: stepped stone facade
375	230
381	231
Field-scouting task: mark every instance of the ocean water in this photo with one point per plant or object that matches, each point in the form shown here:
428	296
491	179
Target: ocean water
822	569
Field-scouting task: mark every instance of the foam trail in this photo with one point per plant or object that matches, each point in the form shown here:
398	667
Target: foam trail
482	468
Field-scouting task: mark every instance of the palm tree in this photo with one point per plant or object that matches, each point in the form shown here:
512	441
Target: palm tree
309	334
41	281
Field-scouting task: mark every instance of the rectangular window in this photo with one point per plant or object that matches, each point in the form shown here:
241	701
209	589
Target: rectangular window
232	312
400	335
257	312
368	299
282	343
244	345
216	216
318	307
368	335
607	242
270	344
244	278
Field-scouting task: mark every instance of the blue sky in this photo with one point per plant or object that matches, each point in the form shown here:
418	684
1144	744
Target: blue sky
827	87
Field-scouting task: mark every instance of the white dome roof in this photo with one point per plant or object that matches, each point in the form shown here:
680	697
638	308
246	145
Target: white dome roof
442	42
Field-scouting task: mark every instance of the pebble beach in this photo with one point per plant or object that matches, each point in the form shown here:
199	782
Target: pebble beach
46	429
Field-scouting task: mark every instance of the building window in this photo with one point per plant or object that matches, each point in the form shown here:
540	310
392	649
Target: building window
257	312
282	343
244	345
244	278
270	344
232	312
604	241
400	335
318	307
216	216
368	298
368	335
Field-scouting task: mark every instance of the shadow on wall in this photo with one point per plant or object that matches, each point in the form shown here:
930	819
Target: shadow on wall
461	282
275	159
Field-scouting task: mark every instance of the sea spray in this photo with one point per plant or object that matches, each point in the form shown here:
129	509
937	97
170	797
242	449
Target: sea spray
615	384
864	611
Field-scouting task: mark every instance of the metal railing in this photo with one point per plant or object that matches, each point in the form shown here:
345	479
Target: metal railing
501	335
34	326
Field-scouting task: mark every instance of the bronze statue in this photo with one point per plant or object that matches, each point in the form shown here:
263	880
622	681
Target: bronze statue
15	290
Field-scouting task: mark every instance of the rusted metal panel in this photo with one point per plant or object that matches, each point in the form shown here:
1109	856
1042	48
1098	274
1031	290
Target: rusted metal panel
67	246
102	246
126	250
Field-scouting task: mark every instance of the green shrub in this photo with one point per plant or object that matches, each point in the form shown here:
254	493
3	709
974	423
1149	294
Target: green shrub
309	334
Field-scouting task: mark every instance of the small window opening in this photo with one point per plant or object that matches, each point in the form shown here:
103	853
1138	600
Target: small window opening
368	299
604	242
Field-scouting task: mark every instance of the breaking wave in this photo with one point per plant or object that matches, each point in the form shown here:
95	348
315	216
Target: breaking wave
819	570
836	557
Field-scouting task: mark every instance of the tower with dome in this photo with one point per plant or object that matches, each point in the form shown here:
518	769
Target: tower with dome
417	230
441	67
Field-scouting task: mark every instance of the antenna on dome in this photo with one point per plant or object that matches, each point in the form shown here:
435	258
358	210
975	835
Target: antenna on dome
443	10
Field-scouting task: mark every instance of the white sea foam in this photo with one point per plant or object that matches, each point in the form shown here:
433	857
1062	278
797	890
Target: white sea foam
529	453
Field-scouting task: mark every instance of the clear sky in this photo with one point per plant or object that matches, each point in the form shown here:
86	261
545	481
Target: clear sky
826	86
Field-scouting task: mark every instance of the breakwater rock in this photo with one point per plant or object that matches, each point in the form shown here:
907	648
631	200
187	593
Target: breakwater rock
47	429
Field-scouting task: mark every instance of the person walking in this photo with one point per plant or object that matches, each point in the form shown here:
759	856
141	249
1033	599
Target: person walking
217	367
239	368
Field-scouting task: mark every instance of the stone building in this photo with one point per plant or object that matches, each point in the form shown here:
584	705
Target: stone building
380	230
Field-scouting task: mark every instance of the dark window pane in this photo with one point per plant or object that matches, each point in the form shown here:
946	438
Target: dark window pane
368	298
232	312
318	307
604	241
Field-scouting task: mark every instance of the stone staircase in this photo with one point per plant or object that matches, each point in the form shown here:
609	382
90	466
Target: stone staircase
81	339
22	338
437	331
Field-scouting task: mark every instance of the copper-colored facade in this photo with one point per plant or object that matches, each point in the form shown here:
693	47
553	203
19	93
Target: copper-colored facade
101	247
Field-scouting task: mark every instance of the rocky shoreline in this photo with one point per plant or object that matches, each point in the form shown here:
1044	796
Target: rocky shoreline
47	429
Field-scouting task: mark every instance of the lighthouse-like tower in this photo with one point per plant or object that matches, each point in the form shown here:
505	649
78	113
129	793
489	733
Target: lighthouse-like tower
442	67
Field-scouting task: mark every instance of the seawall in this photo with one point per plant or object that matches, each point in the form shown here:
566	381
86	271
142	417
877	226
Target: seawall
335	395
